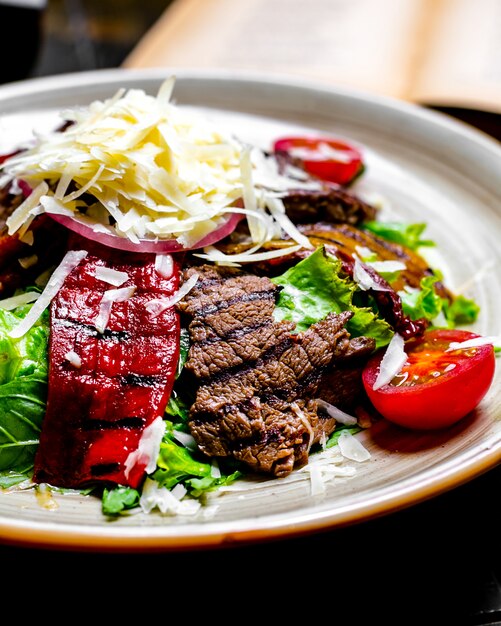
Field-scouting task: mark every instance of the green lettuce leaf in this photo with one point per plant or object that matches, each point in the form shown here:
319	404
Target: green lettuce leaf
22	408
119	499
179	403
333	439
23	389
179	464
425	302
177	409
461	311
184	346
408	235
10	478
422	302
314	288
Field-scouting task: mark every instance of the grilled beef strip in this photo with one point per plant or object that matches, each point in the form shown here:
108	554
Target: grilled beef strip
331	204
97	412
255	380
342	240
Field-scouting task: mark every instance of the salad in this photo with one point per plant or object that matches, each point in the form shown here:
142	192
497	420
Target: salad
180	310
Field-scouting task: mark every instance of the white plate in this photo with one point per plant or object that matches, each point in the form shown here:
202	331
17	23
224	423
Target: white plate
427	167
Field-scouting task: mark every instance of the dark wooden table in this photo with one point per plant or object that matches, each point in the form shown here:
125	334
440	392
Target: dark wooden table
438	562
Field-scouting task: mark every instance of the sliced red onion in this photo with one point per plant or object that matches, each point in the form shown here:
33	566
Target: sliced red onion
25	188
112	240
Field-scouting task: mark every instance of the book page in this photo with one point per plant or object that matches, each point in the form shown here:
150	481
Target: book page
364	44
461	63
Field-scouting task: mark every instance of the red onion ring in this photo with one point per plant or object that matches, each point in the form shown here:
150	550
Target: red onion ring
145	245
25	188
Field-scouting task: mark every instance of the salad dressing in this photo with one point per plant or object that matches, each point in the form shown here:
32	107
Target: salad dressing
44	497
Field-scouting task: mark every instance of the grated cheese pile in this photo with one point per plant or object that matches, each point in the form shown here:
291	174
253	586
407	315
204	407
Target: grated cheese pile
153	171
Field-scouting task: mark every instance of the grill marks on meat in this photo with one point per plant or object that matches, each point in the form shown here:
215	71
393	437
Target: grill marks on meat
332	202
344	240
257	380
96	413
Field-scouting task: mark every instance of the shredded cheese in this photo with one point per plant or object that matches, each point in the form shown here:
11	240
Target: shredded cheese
363	279
337	414
156	306
74	359
9	304
139	167
28	238
111	276
185	439
70	261
215	472
109	297
351	448
154	496
23	213
306	423
476	342
28	261
392	362
386	266
164	265
148	448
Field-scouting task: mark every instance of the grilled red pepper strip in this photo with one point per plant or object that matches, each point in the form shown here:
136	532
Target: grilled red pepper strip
98	410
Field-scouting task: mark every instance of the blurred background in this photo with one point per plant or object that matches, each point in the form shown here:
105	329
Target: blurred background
376	45
60	36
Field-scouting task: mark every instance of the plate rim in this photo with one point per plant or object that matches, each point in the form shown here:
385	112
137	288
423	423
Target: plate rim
209	534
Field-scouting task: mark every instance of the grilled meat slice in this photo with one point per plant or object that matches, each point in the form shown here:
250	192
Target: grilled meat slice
332	204
256	380
98	411
344	240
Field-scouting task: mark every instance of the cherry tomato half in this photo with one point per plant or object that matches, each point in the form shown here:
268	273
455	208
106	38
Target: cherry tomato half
329	159
436	387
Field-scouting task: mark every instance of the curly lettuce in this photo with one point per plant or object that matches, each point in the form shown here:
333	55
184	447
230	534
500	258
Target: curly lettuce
23	393
408	235
315	287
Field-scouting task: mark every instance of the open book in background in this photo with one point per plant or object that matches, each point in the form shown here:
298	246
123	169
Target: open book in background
443	53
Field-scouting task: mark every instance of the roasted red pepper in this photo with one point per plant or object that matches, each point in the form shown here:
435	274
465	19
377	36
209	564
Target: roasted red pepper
97	410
